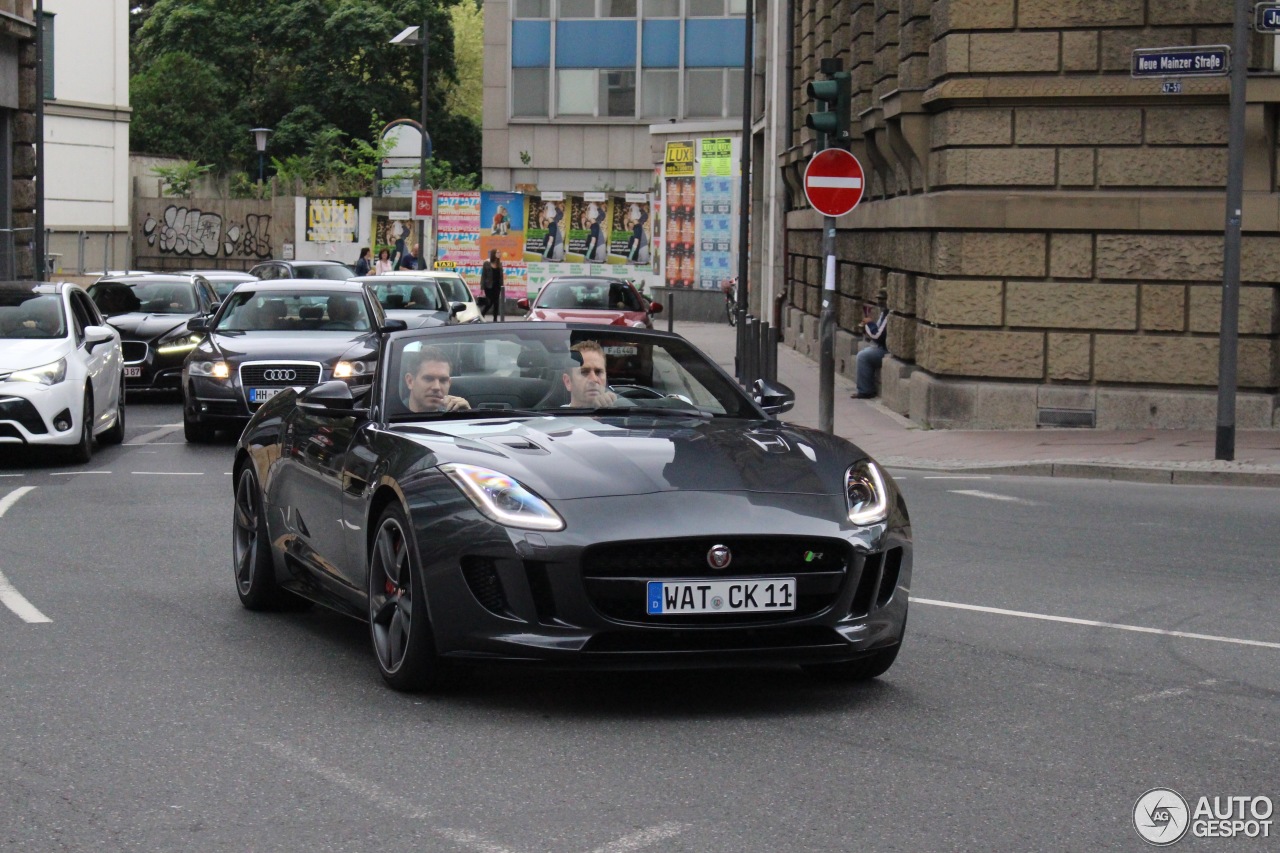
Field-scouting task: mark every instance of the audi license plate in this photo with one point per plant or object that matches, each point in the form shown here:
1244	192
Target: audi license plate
262	395
667	598
133	373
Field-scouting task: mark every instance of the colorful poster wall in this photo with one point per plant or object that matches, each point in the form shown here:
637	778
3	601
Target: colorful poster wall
629	235
458	232
502	220
588	235
547	220
715	213
681	199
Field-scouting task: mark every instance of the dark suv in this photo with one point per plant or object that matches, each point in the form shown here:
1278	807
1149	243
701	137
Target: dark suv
328	270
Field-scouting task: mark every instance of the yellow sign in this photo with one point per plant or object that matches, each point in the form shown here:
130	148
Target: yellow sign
445	265
717	157
679	159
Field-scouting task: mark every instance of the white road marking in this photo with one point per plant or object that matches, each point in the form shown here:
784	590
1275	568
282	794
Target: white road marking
462	837
74	473
1070	620
13	475
9	596
991	496
957	477
169	473
644	838
147	438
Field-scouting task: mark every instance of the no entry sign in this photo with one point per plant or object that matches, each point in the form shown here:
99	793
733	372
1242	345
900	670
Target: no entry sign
833	182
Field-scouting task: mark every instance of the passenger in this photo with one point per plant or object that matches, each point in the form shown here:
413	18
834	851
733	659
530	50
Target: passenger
586	382
427	376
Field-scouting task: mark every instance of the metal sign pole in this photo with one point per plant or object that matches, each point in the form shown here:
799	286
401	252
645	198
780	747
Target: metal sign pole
827	331
1225	444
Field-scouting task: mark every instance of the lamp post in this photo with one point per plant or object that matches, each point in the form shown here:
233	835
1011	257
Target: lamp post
418	36
260	139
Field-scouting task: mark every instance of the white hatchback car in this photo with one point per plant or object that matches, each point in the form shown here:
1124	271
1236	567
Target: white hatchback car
455	289
61	369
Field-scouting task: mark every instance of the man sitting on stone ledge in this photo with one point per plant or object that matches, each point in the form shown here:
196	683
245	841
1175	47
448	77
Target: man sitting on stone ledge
870	356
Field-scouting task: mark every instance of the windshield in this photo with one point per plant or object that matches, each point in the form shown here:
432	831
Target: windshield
410	294
31	315
589	294
283	311
555	371
331	272
455	289
152	297
224	286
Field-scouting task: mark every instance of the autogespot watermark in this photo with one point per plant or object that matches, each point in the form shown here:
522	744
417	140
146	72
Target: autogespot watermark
1162	817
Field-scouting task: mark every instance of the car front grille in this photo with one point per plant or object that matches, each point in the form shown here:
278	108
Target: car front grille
615	574
279	374
23	412
134	351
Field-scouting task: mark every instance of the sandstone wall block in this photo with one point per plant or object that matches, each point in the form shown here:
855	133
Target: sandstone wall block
972	15
978	254
902	292
988	167
964	352
1079	51
1003	53
1172	167
1163	307
1068	357
1186	126
1076	167
1071	256
949	302
1159	257
957	127
1079	126
1057	305
949	55
1000	405
1259	311
1080	13
903	334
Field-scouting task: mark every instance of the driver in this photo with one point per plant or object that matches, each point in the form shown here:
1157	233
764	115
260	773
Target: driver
586	381
427	377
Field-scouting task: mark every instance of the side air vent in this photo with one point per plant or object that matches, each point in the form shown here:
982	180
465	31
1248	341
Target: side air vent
482	579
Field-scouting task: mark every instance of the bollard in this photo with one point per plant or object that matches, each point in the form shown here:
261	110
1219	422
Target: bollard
671	311
80	238
106	253
749	351
771	355
762	357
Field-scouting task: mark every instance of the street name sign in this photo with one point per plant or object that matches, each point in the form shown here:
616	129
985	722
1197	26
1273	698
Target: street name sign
1210	60
833	182
1266	17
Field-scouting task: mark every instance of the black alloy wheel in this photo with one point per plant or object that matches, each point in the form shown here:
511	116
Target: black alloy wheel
192	430
398	623
82	451
115	435
251	547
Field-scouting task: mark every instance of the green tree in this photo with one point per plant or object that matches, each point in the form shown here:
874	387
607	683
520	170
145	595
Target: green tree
466	98
205	71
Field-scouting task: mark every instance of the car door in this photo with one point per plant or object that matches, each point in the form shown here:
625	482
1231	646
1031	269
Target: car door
100	363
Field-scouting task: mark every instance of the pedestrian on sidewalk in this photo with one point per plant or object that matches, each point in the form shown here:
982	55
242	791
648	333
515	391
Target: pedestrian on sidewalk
409	260
869	357
362	264
383	265
491	284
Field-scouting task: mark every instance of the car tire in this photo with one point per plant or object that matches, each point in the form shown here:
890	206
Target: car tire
115	435
251	547
399	628
194	431
82	451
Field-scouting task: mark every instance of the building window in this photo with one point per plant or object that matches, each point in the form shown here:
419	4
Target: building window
47	47
704	92
706	8
576	92
530	92
733	92
661	93
617	8
618	93
577	8
532	9
662	8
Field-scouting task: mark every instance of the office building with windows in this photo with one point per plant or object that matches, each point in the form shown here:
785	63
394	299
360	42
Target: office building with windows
574	88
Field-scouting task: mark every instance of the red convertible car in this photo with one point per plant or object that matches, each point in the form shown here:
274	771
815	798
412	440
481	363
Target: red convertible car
591	299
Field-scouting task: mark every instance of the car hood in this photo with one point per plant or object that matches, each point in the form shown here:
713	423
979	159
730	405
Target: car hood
147	327
565	458
589	315
415	319
293	346
24	353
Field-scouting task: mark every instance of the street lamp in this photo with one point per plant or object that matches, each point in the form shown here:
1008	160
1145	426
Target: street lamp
407	37
260	139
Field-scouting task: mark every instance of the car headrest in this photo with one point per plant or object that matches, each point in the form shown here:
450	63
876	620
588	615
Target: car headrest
311	312
274	309
395	300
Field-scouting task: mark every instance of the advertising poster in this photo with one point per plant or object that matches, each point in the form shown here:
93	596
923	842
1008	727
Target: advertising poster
502	225
547	220
680	212
715	227
333	220
679	159
717	157
629	232
394	235
588	235
458	229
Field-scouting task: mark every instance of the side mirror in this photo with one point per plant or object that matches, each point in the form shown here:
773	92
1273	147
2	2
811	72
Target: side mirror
97	335
332	398
774	398
655	307
393	326
456	308
522	304
198	324
213	308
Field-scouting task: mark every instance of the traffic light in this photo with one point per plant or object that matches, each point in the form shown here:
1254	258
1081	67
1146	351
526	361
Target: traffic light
832	118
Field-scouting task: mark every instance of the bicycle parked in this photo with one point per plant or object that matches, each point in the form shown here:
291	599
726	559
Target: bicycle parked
729	287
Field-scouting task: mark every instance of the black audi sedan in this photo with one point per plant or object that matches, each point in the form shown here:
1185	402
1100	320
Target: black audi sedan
271	336
417	300
327	270
570	495
151	311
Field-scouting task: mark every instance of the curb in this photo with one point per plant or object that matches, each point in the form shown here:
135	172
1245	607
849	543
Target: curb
1098	471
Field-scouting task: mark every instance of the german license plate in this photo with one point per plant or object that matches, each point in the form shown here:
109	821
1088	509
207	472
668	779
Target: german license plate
262	395
669	598
133	373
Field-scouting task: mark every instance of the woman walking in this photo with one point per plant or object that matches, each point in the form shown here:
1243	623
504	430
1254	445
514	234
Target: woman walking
491	284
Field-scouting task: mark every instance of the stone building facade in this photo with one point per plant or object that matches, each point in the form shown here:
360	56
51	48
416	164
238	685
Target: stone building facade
18	94
1047	228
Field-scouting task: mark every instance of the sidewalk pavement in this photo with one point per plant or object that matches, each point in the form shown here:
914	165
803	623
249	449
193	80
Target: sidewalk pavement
1152	456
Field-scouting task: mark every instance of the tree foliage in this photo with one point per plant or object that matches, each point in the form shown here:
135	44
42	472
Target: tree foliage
467	96
206	71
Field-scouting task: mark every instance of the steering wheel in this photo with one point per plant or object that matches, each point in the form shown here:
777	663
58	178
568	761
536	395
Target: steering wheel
637	392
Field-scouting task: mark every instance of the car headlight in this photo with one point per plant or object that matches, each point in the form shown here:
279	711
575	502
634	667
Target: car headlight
211	369
866	493
179	341
354	370
503	499
45	374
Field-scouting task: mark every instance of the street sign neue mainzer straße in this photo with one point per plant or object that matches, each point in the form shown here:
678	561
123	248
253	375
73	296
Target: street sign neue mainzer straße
1209	60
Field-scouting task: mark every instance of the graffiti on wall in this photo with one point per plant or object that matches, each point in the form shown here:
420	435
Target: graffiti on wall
189	231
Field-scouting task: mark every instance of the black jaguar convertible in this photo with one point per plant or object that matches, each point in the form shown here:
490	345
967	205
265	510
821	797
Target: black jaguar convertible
569	495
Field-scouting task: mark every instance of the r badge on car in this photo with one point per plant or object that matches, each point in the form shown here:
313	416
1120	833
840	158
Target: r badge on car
719	556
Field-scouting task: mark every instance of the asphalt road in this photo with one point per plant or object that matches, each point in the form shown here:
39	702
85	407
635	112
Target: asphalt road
151	712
